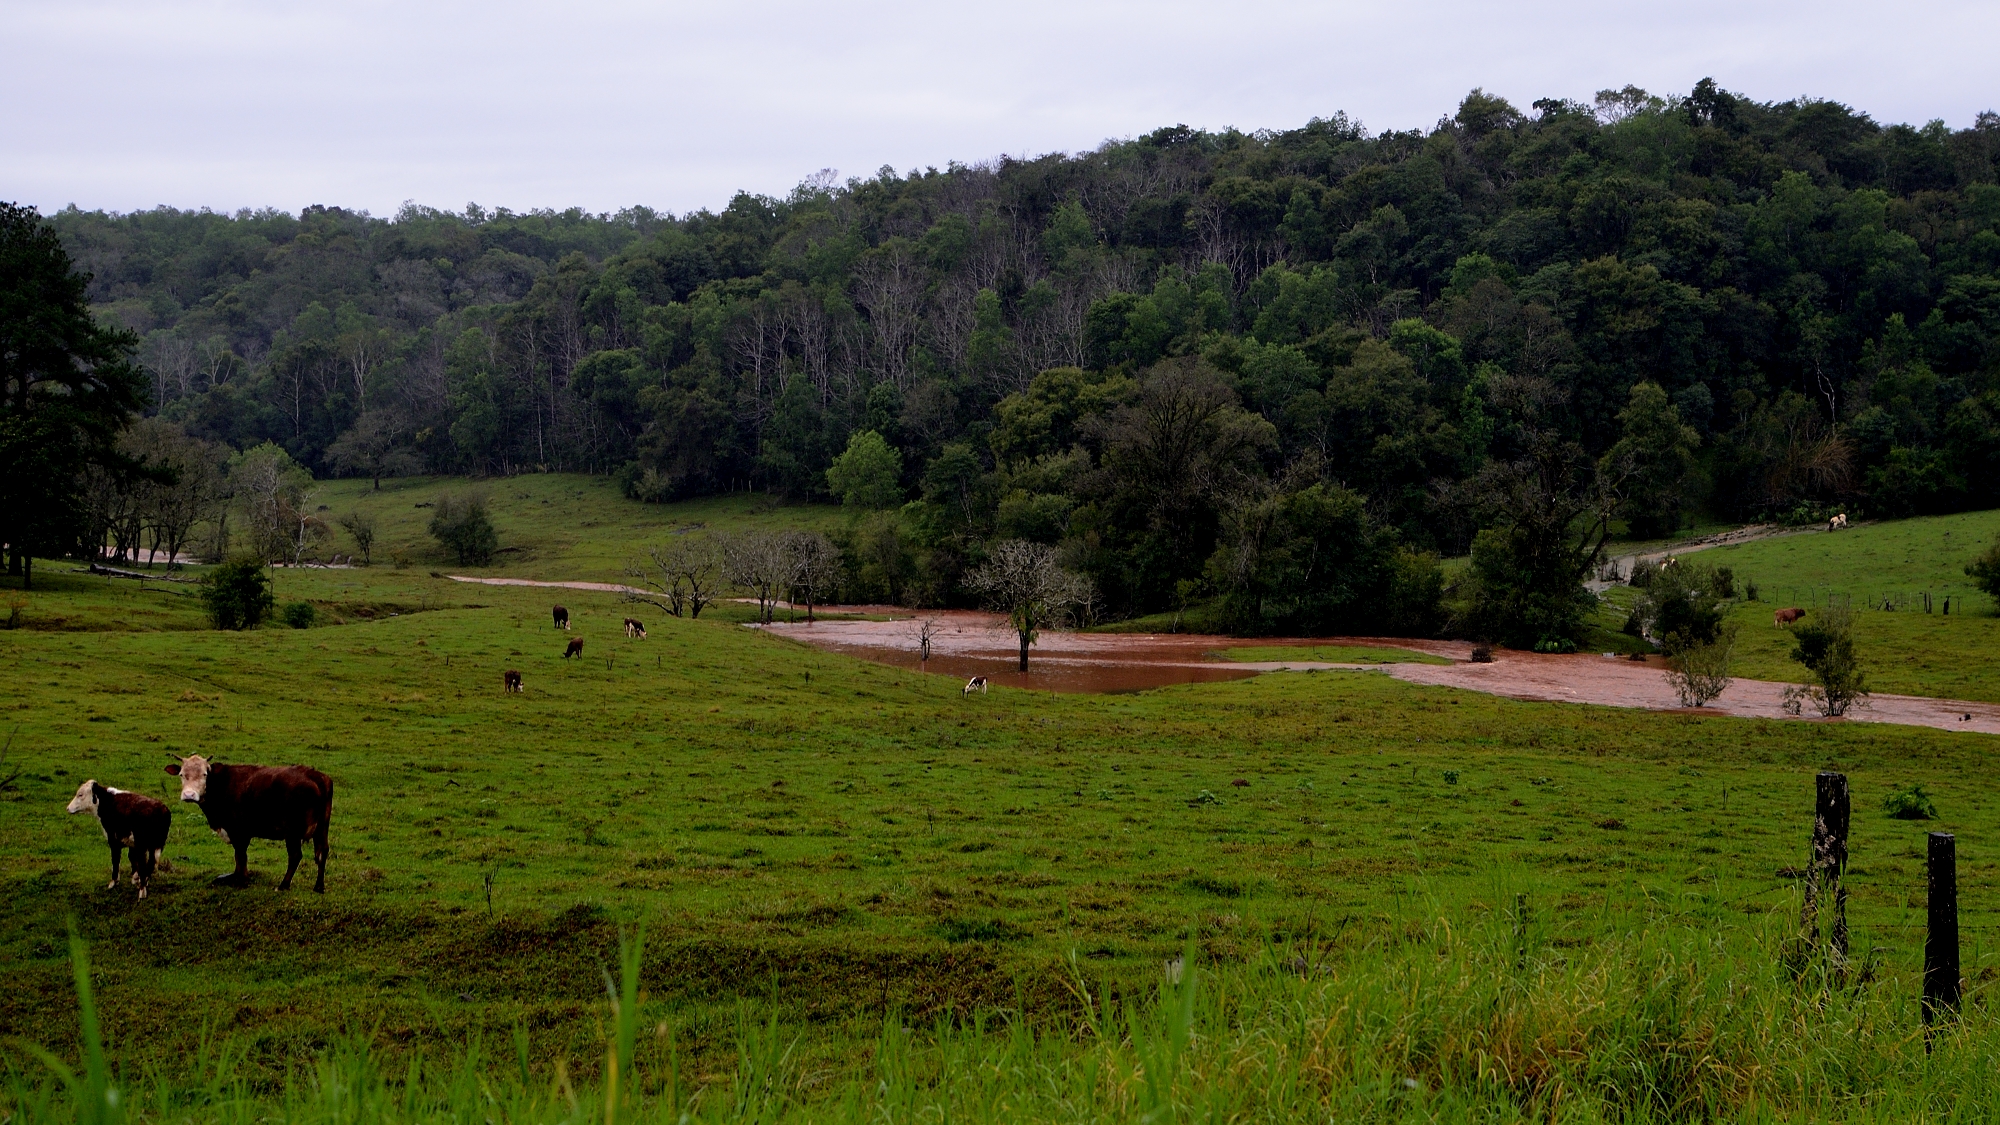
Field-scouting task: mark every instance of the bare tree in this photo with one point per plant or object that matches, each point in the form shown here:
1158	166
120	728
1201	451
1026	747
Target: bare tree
756	562
687	572
190	491
927	631
361	527
1024	581
814	567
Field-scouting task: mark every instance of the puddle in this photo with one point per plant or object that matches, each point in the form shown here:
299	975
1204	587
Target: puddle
966	644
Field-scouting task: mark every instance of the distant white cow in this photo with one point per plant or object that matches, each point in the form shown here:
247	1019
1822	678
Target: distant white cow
976	683
1837	523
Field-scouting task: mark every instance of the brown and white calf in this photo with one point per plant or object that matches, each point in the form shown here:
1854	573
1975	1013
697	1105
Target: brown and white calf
561	617
575	648
634	629
132	822
510	680
245	803
976	683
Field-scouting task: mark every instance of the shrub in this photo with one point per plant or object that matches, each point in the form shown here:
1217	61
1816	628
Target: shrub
1985	570
1910	803
1681	607
299	615
237	594
461	526
1700	672
1825	645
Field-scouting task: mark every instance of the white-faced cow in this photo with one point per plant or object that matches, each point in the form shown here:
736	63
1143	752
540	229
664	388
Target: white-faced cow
245	803
561	616
634	629
976	683
574	648
131	822
510	680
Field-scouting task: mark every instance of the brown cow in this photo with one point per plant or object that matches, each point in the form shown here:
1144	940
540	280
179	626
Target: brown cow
1786	616
575	648
510	680
245	803
129	821
634	629
561	616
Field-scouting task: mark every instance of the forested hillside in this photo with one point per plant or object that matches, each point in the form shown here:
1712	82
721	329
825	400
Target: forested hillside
1201	363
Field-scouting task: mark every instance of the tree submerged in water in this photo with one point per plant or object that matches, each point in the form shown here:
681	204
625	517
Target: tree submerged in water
1026	582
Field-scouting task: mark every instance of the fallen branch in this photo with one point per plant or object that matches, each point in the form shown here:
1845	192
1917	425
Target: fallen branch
114	572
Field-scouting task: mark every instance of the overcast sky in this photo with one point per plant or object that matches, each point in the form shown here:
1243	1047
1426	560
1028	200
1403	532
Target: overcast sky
125	104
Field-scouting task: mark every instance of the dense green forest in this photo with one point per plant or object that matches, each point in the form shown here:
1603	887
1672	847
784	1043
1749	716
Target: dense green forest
1201	363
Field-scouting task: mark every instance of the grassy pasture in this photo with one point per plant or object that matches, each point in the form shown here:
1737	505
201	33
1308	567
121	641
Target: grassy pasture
552	526
1903	649
840	846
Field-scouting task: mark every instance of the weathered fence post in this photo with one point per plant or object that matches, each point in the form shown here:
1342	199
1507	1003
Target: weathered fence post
1941	941
1829	858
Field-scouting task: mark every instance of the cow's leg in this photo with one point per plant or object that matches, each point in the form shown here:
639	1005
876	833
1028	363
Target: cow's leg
241	876
114	868
291	862
142	869
319	857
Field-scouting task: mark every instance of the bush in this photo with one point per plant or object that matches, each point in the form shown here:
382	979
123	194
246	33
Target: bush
299	615
1700	672
460	525
1910	804
1985	570
1681	607
1825	645
237	594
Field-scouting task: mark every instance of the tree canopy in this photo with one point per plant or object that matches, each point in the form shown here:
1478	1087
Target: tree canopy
1745	308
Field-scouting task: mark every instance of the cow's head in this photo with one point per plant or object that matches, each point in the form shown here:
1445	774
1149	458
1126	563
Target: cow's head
193	772
86	797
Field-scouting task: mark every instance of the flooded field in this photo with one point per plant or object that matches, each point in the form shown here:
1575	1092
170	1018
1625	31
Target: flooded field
965	644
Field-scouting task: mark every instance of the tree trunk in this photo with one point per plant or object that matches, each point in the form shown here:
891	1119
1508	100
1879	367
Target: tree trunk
28	583
1024	652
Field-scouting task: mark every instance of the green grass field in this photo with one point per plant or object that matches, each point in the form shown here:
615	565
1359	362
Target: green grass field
867	897
552	526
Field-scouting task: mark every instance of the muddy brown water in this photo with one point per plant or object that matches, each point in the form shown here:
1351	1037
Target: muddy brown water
967	644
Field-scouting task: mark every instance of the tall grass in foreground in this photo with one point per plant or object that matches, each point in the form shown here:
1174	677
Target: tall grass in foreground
1469	1022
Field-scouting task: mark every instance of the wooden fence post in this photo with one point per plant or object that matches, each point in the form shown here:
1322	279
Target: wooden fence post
1829	859
1941	941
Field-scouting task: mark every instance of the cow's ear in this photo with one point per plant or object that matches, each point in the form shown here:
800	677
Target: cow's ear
175	769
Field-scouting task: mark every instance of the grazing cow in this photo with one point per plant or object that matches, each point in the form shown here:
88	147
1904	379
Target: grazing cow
1837	522
1785	617
634	629
130	821
575	648
976	683
245	803
561	616
510	680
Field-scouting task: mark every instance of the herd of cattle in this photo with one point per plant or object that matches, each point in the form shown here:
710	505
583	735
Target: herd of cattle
242	803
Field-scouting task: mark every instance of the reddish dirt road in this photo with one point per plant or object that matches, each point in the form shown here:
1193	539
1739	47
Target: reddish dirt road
969	644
